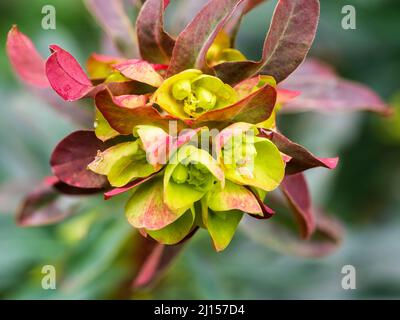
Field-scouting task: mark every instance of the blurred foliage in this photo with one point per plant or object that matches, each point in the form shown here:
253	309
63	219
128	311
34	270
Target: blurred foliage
92	251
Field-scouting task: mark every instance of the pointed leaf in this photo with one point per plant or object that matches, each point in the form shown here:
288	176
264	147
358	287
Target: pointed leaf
26	61
295	189
222	227
155	44
71	157
290	36
301	158
66	76
194	41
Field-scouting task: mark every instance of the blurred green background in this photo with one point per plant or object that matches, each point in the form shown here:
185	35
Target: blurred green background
92	250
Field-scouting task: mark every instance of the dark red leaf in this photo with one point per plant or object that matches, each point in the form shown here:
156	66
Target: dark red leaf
26	61
155	44
194	41
124	119
295	189
71	157
66	76
290	36
301	158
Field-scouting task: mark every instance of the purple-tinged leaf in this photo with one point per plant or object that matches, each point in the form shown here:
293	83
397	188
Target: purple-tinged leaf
71	157
301	158
254	108
117	191
141	71
295	189
66	76
155	44
123	118
276	236
112	17
44	205
322	90
290	36
193	42
26	61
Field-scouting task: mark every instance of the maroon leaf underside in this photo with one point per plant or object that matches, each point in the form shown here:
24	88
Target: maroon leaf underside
286	45
45	205
123	119
254	108
71	157
301	158
25	59
155	44
66	76
193	42
323	90
111	15
296	191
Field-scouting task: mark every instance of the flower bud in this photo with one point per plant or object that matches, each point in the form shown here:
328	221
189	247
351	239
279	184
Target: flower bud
181	89
180	174
206	99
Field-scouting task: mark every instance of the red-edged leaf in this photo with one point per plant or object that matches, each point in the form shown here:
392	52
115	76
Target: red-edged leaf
66	76
123	119
71	157
302	159
156	260
194	41
112	17
44	205
295	189
26	61
290	36
274	235
155	44
141	71
322	90
253	108
267	211
116	191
